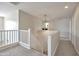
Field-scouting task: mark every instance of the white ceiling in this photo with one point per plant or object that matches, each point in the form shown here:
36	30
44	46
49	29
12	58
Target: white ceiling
52	9
6	9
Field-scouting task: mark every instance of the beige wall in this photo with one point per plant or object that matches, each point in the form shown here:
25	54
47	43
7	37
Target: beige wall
25	20
29	21
75	29
25	23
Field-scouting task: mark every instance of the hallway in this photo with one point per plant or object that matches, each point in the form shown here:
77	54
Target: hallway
65	48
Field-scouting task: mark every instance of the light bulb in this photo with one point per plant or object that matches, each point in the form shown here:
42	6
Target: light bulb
46	25
66	7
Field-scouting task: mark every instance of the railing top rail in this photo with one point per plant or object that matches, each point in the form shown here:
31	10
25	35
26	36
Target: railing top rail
8	30
23	30
15	30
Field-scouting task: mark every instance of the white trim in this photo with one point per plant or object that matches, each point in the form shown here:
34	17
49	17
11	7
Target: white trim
55	49
24	30
49	46
29	36
50	53
76	50
24	45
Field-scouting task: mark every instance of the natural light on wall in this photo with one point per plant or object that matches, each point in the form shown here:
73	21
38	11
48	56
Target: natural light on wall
10	25
3	14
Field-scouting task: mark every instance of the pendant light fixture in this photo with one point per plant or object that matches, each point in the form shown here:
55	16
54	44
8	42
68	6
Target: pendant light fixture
45	23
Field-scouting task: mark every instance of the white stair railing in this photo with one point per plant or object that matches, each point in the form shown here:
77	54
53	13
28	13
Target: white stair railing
8	37
25	38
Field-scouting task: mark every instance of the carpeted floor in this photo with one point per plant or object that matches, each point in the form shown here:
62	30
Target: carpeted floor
19	51
65	48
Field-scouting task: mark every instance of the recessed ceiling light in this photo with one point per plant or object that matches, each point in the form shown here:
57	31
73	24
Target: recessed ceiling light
66	7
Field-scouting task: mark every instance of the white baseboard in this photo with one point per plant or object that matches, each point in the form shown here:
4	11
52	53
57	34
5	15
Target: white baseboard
24	45
55	49
9	45
77	51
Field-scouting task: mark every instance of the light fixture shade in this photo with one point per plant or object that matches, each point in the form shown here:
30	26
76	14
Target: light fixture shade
45	23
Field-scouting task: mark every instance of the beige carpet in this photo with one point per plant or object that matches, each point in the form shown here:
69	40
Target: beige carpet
65	48
19	51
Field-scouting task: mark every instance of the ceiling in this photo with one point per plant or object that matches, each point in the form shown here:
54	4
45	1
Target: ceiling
52	9
38	9
6	9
